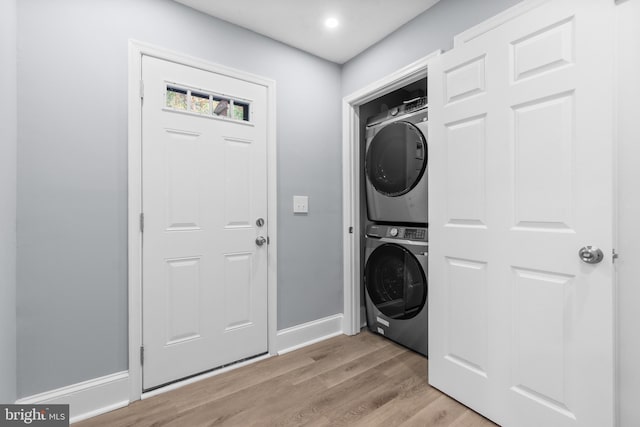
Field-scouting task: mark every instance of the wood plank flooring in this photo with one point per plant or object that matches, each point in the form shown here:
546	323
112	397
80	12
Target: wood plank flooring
363	380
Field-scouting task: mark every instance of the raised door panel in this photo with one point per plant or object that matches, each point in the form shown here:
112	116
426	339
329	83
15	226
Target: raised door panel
238	192
465	80
542	313
466	169
183	313
183	184
468	318
238	294
544	163
544	50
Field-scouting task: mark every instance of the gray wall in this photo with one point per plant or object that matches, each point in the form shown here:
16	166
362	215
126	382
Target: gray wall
432	30
72	175
8	138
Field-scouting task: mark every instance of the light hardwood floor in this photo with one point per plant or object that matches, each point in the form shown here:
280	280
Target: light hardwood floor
363	380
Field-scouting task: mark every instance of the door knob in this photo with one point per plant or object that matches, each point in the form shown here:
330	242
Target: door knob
590	254
260	240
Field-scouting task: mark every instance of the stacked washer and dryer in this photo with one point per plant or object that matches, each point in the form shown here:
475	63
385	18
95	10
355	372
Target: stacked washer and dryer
396	237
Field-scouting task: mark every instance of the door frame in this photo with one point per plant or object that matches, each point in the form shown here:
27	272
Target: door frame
135	90
351	198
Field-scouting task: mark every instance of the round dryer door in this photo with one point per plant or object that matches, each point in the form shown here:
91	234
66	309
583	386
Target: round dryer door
396	158
395	282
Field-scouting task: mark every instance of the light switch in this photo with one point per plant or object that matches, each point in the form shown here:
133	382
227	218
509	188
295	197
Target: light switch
300	204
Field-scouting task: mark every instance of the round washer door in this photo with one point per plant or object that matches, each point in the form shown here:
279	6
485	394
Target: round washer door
395	281
396	158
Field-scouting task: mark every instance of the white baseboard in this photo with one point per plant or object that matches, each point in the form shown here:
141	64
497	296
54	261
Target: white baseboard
97	396
308	333
88	398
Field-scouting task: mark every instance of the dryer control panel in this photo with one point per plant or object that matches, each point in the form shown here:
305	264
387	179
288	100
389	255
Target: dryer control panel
415	104
398	232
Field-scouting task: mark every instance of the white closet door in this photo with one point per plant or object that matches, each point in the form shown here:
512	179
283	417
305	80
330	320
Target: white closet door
521	142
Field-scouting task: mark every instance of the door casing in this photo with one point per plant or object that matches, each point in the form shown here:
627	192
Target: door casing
135	90
351	198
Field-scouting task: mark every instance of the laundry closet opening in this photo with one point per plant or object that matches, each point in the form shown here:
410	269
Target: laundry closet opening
393	215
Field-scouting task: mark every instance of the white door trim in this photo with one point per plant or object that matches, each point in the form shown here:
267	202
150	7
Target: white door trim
351	179
136	51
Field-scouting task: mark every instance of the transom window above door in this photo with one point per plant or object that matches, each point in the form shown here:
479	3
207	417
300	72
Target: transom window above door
184	99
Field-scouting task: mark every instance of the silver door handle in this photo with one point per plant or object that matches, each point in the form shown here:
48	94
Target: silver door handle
260	240
590	254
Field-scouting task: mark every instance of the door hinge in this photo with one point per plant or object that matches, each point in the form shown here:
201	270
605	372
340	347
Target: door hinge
141	355
614	255
141	89
141	222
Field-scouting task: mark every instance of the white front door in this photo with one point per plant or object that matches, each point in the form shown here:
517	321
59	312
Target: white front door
204	185
521	143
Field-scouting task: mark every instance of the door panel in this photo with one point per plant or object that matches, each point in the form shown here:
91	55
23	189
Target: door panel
183	291
465	80
521	329
204	186
237	182
466	172
237	291
543	325
183	181
467	320
543	163
544	50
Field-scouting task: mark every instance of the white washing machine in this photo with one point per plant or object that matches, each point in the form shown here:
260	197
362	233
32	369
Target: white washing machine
396	164
396	284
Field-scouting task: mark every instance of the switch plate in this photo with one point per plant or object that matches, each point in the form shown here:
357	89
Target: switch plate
300	204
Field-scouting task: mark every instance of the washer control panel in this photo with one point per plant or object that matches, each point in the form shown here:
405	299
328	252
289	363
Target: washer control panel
415	233
398	232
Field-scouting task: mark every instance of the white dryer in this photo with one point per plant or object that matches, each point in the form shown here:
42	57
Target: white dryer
396	164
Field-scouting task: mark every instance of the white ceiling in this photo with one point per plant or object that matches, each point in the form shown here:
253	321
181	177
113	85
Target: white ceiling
300	23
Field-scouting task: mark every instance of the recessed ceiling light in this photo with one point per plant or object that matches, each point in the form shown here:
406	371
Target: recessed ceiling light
331	23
